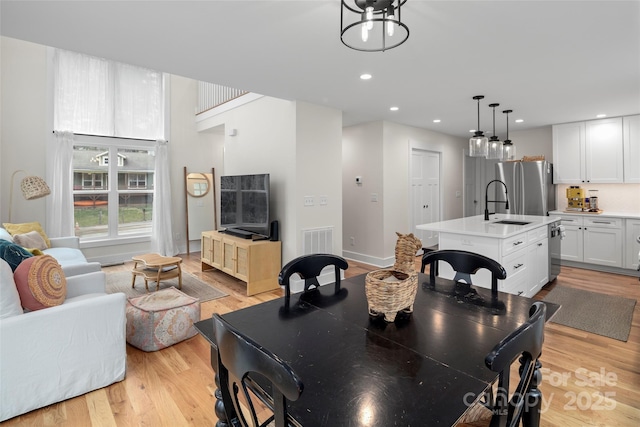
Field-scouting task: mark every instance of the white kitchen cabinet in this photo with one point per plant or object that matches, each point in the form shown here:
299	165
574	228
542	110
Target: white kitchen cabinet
588	152
572	243
632	244
631	140
523	250
538	259
593	240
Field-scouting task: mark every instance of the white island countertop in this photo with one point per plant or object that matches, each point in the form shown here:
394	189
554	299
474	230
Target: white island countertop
477	226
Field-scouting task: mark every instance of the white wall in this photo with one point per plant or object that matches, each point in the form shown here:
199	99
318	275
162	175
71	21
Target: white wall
23	130
380	152
299	145
362	219
533	142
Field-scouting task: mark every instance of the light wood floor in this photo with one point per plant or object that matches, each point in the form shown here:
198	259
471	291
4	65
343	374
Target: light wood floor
589	380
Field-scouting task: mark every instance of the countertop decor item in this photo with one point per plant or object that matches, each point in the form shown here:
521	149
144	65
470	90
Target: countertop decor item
390	291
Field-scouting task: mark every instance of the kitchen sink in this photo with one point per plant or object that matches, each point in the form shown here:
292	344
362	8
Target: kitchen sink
510	222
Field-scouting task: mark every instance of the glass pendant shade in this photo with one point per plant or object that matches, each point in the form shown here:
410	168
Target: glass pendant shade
478	146
495	149
508	151
478	143
495	145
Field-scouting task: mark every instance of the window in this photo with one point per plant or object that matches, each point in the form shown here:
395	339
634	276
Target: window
117	112
112	199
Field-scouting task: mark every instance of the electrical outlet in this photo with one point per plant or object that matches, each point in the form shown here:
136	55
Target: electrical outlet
352	241
308	200
323	200
374	197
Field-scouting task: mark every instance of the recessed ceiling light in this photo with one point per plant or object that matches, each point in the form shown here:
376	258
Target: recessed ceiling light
436	121
365	76
519	120
393	108
601	116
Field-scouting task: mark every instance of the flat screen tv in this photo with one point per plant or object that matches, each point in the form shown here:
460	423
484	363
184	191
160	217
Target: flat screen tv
244	205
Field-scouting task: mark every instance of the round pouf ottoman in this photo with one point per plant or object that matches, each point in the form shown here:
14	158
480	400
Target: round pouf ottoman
161	319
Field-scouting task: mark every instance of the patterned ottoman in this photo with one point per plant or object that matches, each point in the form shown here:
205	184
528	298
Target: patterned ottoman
161	319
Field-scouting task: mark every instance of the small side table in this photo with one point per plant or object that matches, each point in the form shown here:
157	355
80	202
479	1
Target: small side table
156	267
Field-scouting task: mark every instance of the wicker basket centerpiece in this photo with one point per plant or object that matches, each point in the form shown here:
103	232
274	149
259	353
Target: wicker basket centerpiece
389	291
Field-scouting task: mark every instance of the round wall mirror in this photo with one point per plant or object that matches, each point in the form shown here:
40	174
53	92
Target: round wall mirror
197	184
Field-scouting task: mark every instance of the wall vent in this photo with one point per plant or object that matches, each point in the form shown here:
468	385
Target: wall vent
317	241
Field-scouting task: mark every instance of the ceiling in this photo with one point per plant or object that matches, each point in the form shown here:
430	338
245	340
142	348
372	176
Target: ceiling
548	61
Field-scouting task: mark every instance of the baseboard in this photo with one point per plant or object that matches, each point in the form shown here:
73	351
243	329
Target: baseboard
603	268
367	259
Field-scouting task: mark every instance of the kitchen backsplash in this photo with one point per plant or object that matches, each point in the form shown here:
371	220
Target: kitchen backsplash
619	198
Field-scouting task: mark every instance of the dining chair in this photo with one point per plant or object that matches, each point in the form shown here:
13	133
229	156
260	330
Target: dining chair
309	268
242	363
524	345
464	264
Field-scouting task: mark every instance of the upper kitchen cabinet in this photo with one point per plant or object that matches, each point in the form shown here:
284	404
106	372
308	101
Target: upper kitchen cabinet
631	138
588	152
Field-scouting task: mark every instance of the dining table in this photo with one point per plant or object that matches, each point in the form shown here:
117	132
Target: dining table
424	369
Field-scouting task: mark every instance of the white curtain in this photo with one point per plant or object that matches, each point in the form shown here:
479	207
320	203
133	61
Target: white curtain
161	233
59	221
99	97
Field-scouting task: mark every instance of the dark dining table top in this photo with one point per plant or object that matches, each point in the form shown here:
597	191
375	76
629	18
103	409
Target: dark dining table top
424	369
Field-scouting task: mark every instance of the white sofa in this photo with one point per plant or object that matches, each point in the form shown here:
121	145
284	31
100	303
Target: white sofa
66	250
60	352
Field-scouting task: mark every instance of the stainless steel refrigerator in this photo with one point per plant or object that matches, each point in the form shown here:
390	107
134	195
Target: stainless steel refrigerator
530	187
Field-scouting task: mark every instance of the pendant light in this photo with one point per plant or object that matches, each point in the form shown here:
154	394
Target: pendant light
478	144
495	145
372	25
509	150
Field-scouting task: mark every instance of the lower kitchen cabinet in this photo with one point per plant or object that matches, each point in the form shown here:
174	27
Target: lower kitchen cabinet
593	240
632	244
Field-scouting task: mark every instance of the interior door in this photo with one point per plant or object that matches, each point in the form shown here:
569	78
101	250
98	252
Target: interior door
425	190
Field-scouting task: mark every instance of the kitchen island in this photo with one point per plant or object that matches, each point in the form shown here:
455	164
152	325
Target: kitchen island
520	243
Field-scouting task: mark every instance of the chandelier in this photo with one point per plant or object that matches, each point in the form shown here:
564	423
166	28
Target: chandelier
372	25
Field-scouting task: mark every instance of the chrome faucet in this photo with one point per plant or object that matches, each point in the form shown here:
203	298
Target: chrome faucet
486	201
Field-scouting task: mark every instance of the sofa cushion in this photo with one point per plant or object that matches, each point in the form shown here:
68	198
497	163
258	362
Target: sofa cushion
30	240
26	227
13	254
40	282
9	297
5	235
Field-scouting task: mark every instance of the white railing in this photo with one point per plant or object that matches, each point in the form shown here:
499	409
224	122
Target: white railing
211	95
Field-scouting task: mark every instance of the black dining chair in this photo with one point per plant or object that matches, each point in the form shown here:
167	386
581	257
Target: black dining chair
240	363
309	268
523	345
464	264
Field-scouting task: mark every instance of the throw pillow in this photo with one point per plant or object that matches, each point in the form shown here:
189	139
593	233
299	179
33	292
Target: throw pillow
25	228
13	254
31	240
40	282
9	297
